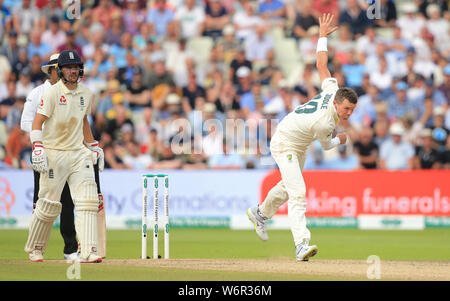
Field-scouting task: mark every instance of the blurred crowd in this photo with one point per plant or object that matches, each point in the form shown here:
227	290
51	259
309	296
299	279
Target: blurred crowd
201	84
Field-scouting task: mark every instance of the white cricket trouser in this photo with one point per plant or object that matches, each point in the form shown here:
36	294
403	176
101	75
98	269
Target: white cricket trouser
75	168
292	189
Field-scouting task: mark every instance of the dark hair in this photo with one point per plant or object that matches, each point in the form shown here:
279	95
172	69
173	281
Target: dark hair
346	93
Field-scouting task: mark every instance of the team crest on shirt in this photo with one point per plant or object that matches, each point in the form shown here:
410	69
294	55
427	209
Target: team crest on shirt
62	100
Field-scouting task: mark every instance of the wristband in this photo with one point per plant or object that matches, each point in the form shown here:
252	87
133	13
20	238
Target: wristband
322	44
92	144
35	135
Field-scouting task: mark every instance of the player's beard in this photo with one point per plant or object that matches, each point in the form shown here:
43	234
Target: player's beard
72	78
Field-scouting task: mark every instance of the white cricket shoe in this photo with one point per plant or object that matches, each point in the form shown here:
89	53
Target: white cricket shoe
92	258
72	256
259	223
36	256
304	252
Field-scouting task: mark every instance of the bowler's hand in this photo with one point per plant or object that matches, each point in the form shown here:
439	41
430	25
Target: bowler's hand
325	28
342	137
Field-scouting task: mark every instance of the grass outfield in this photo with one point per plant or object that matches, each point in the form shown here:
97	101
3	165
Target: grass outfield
221	244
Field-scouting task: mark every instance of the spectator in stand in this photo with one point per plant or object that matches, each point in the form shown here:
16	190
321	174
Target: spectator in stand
269	70
307	46
353	70
355	17
11	49
24	85
258	44
117	117
396	154
37	47
104	11
120	52
116	30
381	78
366	149
304	19
366	44
192	91
344	161
381	130
189	18
133	17
216	18
37	76
53	36
321	7
5	18
159	80
5	69
137	95
445	155
273	11
410	24
250	100
228	44
399	104
143	128
316	160
71	44
51	8
227	159
438	27
387	14
8	102
445	86
134	159
426	154
440	132
423	5
239	61
365	112
97	40
25	18
244	76
158	18
246	21
99	65
343	44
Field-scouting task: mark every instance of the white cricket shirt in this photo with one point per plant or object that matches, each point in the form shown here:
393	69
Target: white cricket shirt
65	110
313	120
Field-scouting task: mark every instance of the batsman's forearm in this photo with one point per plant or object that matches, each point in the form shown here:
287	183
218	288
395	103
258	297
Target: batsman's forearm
88	137
38	121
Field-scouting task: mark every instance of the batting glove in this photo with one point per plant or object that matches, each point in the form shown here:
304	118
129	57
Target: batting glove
100	161
39	159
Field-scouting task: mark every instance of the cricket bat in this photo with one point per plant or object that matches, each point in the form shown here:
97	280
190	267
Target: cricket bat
101	218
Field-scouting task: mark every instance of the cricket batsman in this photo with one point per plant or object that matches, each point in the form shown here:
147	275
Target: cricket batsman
67	226
65	151
313	120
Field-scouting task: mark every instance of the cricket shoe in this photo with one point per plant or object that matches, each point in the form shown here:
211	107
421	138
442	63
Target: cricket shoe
92	258
304	252
72	256
36	256
259	223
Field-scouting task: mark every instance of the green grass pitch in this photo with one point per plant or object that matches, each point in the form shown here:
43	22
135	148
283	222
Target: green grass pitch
334	244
